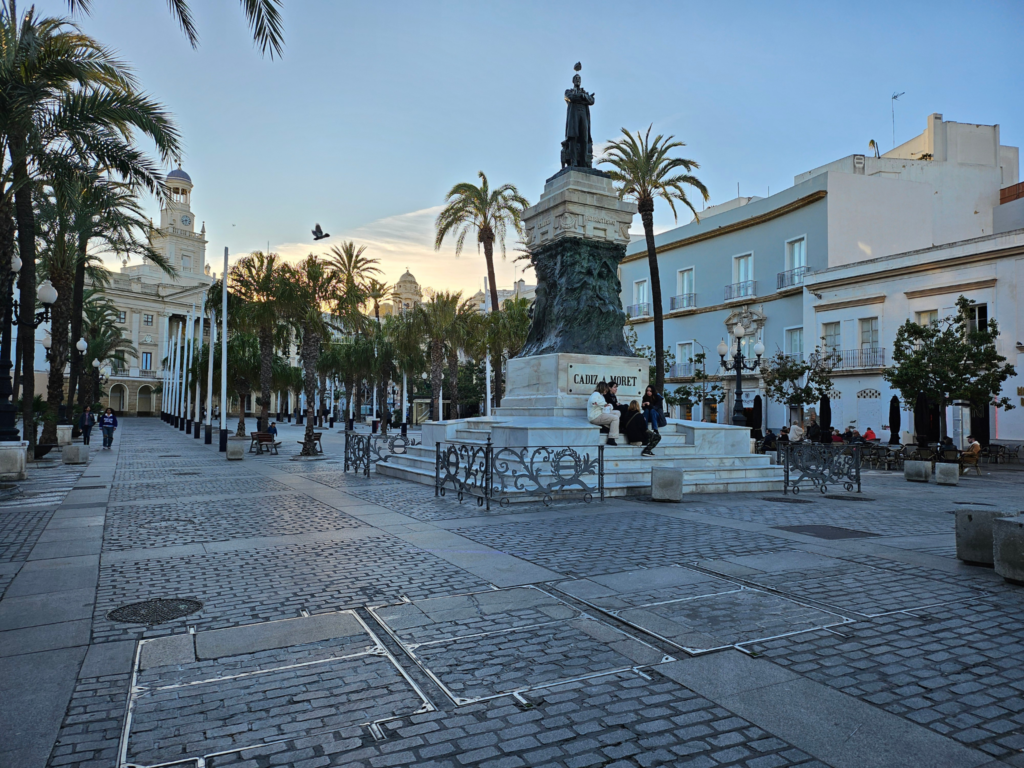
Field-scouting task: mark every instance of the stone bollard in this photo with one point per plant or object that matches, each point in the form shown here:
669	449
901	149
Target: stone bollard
76	454
236	448
1008	548
947	474
917	471
13	456
64	434
666	484
974	534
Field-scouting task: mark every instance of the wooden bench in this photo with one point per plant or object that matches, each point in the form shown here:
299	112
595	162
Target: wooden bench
264	441
316	439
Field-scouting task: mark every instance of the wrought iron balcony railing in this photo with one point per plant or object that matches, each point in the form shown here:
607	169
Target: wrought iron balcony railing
683	301
680	370
792	277
853	359
638	310
746	289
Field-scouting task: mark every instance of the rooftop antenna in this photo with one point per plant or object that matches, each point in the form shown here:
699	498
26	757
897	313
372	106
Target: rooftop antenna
892	103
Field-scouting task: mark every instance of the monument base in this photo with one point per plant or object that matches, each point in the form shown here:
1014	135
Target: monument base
559	384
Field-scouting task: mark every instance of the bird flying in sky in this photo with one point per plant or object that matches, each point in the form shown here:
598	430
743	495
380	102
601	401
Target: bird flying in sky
319	234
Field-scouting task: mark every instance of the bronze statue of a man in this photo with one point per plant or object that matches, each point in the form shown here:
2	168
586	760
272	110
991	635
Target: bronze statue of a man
578	147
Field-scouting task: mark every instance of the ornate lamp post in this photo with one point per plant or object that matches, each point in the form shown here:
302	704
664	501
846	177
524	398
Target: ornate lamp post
739	364
47	295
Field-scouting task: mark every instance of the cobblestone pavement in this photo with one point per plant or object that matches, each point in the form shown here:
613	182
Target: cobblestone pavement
357	621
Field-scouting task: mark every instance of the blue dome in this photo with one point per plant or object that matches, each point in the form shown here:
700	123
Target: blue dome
179	174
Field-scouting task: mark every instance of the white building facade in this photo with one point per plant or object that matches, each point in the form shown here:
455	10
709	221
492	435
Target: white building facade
803	268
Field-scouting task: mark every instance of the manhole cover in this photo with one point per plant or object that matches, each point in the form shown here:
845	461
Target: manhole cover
825	531
154	611
843	497
786	500
169	522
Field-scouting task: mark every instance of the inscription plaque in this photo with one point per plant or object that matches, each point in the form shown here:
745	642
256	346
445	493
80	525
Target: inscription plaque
583	379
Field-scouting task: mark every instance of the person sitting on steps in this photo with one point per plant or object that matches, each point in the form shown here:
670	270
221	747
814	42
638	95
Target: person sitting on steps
601	413
637	431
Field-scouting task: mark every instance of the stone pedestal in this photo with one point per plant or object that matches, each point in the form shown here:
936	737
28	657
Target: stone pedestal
236	448
76	454
12	461
917	471
947	474
1008	548
64	434
974	534
666	484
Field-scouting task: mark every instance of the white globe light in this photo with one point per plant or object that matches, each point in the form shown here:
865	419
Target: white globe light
15	264
739	331
47	342
95	363
81	346
723	348
759	349
423	376
46	293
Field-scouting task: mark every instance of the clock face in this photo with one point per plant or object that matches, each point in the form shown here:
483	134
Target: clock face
186	220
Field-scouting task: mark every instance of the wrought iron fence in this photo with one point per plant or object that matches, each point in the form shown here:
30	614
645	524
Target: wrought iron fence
487	472
363	450
820	466
746	289
683	301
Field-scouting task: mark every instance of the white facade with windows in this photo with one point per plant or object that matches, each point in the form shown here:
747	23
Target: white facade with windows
765	260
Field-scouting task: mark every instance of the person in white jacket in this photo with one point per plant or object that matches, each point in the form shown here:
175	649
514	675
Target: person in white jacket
601	413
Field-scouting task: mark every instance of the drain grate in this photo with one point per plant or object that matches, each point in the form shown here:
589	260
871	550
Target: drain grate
973	504
155	611
825	531
786	500
186	473
844	497
89	487
169	456
169	522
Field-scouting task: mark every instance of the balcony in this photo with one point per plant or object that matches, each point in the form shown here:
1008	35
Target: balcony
638	310
856	359
148	374
745	290
683	301
680	370
792	277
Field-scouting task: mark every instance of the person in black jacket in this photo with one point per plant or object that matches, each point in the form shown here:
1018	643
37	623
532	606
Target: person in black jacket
636	430
86	422
653	405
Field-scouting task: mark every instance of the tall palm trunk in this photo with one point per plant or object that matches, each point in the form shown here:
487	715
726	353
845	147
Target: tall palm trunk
26	282
310	354
240	387
7	278
436	366
323	400
453	385
63	281
492	284
77	312
646	209
266	377
358	401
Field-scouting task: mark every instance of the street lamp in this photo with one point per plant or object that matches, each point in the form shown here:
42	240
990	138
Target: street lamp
81	345
739	365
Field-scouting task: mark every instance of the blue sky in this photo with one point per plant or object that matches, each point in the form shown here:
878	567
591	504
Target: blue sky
376	109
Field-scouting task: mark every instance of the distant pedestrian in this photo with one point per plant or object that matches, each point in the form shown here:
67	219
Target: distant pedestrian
272	429
108	423
86	422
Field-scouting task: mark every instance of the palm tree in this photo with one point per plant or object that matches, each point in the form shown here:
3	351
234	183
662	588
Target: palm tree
435	319
256	281
264	17
64	96
310	290
644	171
462	337
489	213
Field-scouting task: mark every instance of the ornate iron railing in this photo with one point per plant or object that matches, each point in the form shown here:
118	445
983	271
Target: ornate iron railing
792	277
638	310
487	472
746	289
683	301
363	450
820	466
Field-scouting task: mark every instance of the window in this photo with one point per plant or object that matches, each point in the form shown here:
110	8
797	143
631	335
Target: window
147	361
977	317
831	334
927	317
122	316
869	333
186	263
747	346
684	352
743	268
795	342
684	282
147	319
640	292
796	253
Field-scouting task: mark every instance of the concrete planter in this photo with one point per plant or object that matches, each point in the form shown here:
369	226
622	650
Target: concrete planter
76	454
974	534
12	461
666	484
1008	548
917	471
236	448
64	434
947	474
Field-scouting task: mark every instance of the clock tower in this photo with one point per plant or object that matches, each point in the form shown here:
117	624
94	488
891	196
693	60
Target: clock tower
176	238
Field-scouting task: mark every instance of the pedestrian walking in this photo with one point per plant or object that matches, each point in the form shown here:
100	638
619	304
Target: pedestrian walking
108	423
85	423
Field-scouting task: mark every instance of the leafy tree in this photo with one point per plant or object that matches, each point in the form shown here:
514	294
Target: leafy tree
436	319
950	359
799	383
644	171
469	208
